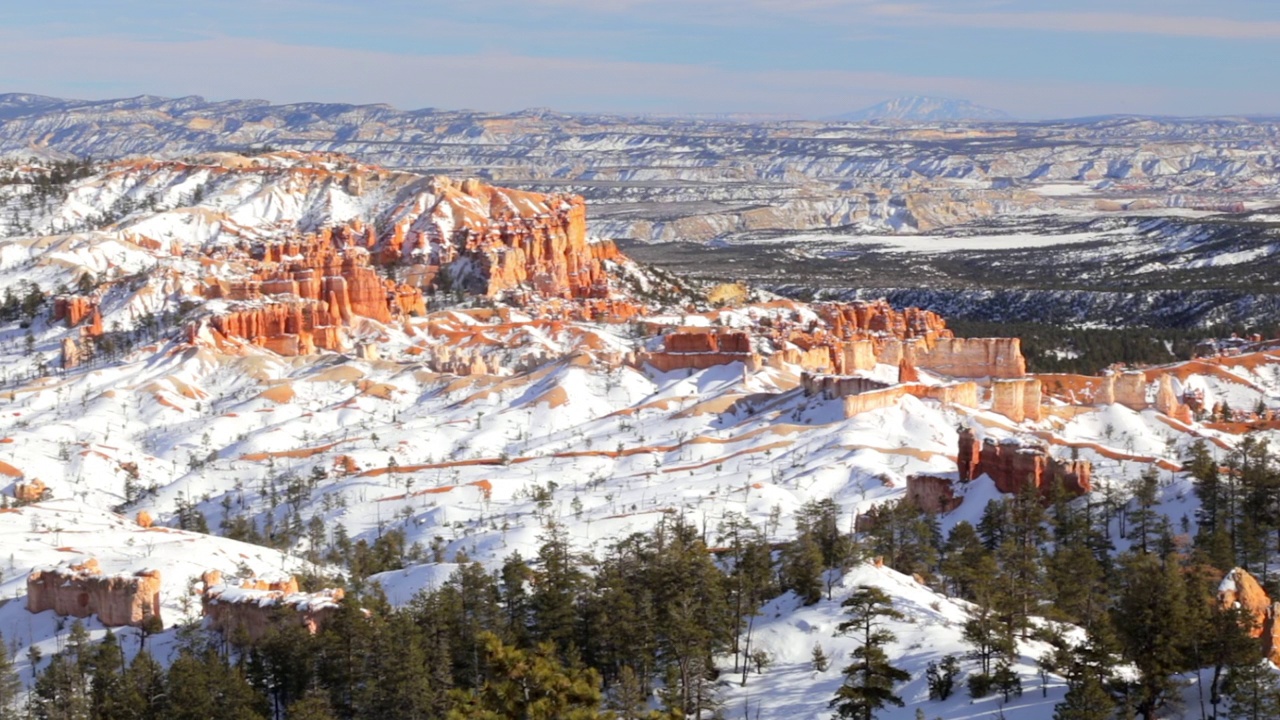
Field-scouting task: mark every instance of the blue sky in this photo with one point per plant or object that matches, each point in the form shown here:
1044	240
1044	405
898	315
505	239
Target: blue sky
813	58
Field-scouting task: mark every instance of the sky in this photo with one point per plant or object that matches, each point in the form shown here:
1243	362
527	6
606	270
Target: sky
1034	59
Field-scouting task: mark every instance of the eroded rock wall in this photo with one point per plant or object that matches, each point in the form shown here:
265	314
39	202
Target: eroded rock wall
82	590
246	611
1013	465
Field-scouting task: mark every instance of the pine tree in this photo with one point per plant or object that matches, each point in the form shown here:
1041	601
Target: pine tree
10	684
869	679
629	700
819	659
1020	558
529	684
144	682
1144	521
966	562
556	589
1086	699
1253	692
802	569
1150	615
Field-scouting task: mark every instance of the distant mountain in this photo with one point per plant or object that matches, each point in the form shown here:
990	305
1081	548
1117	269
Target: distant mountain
924	109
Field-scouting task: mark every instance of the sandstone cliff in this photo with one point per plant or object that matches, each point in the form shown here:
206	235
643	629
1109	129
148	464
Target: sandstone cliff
81	590
1013	465
246	611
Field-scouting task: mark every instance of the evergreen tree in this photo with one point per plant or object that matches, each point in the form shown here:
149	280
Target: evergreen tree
1086	699
1144	521
108	693
1020	558
202	686
801	569
144	682
1150	614
869	679
967	564
1253	692
556	589
10	684
528	684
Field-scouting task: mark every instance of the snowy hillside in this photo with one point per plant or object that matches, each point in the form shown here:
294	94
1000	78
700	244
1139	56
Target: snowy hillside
143	374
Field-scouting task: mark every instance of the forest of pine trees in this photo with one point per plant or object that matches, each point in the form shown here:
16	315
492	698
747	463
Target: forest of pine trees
635	632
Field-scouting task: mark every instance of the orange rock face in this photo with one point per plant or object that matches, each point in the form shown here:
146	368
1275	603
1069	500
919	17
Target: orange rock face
1017	400
961	357
838	386
701	348
29	491
1239	588
73	309
82	590
932	495
249	610
1013	466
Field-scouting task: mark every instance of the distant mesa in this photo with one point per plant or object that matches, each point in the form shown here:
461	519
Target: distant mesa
924	109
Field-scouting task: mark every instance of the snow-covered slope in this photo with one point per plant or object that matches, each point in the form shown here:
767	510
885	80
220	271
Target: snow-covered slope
920	109
563	423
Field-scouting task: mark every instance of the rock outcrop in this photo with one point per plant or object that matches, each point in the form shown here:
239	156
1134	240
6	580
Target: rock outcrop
29	491
959	394
1013	465
959	357
931	494
1017	400
701	348
246	611
834	387
1241	589
81	590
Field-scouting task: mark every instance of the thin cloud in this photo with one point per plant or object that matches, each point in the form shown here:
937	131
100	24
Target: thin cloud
226	67
1095	22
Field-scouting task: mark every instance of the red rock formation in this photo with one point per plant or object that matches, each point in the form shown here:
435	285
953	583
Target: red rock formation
931	494
1131	389
82	590
70	353
295	328
1241	589
833	387
865	319
73	309
907	372
1013	465
251	609
1167	401
515	240
701	348
29	491
1017	400
961	357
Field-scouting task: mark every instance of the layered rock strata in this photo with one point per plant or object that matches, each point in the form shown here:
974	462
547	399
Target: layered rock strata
1013	466
1017	400
932	494
248	610
81	590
